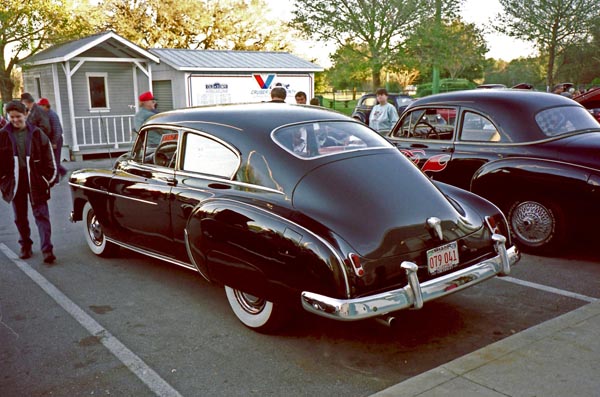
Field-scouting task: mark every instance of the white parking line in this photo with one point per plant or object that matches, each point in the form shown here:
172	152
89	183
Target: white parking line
135	364
548	289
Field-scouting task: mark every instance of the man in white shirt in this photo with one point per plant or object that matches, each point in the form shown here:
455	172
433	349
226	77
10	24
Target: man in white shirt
383	115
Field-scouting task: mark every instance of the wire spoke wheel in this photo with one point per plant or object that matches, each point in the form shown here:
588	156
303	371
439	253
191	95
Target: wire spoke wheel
538	226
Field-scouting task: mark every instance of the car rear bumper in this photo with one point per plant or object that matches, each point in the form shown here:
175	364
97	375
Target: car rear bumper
415	293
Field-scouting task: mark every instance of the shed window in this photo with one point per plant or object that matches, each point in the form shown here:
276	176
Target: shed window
98	91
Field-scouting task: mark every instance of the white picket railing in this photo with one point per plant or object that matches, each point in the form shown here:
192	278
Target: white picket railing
104	130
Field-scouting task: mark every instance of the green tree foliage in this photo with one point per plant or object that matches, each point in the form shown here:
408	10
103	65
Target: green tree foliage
456	46
155	23
553	25
28	27
225	24
520	70
350	68
374	30
580	62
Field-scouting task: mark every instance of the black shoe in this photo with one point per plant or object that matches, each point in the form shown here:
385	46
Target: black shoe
49	257
25	253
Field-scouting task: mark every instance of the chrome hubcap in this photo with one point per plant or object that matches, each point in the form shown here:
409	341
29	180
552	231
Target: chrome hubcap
95	230
532	222
250	303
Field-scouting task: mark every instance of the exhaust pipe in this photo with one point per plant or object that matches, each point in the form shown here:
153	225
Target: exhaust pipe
388	321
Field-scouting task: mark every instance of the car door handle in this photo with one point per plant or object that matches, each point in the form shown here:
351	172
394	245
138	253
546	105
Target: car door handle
172	181
449	149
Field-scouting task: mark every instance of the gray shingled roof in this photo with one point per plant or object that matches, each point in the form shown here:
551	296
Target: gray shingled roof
71	49
210	60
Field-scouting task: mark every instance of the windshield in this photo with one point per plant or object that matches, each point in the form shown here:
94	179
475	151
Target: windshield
565	119
316	139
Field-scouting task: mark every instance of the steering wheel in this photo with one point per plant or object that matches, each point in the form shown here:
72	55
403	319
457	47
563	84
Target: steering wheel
431	131
164	153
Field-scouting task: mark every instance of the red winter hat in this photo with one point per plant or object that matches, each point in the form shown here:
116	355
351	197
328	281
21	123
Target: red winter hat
44	102
146	96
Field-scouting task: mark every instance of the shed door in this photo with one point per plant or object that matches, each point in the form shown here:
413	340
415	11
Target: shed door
163	94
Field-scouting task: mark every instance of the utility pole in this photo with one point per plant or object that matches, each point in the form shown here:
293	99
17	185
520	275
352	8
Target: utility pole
435	84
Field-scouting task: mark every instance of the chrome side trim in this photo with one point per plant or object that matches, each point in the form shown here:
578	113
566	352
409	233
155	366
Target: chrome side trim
226	181
152	254
111	194
412	295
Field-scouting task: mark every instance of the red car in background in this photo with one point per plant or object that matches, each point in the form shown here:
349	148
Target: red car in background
591	101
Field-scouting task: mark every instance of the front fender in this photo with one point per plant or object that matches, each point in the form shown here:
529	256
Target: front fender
501	181
257	251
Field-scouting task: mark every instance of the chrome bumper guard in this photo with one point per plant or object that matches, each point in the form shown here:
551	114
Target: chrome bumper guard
415	293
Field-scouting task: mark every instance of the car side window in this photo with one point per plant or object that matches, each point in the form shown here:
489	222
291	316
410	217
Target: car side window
429	123
478	128
159	147
208	156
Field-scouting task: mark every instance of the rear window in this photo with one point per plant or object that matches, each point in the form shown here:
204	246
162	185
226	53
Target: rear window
565	119
316	139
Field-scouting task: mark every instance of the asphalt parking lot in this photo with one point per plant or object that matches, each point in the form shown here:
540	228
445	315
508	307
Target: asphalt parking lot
131	325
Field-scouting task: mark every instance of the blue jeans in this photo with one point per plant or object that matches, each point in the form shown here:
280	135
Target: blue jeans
41	214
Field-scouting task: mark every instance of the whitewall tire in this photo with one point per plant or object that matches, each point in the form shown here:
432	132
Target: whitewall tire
94	236
254	312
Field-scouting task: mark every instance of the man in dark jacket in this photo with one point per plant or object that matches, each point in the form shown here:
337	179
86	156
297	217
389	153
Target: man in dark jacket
56	136
35	114
27	171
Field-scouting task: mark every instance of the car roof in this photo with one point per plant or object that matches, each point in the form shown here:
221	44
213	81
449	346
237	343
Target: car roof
248	128
252	118
534	101
511	110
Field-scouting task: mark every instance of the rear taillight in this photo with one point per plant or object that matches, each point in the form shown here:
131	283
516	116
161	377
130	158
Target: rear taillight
355	262
492	225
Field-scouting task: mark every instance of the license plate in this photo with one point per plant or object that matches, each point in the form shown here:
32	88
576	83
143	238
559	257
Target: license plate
442	258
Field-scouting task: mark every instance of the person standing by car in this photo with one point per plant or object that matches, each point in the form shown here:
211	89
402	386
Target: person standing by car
300	98
35	114
278	94
384	114
57	135
27	170
147	109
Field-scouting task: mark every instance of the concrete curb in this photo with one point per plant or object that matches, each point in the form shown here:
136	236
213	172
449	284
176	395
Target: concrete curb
560	345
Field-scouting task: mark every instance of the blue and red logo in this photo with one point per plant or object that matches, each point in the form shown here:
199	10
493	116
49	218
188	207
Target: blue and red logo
264	84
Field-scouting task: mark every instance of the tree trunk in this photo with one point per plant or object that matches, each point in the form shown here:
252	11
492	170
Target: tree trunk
551	56
376	77
6	87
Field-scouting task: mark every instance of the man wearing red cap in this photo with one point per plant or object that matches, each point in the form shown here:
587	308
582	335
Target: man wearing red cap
56	135
147	109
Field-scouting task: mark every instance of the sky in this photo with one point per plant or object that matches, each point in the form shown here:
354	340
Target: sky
473	11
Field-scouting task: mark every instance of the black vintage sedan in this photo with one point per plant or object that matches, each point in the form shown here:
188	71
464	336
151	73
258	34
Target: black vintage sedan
535	155
291	206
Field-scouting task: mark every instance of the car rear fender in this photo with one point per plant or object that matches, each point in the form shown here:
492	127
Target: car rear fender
258	251
460	197
501	181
